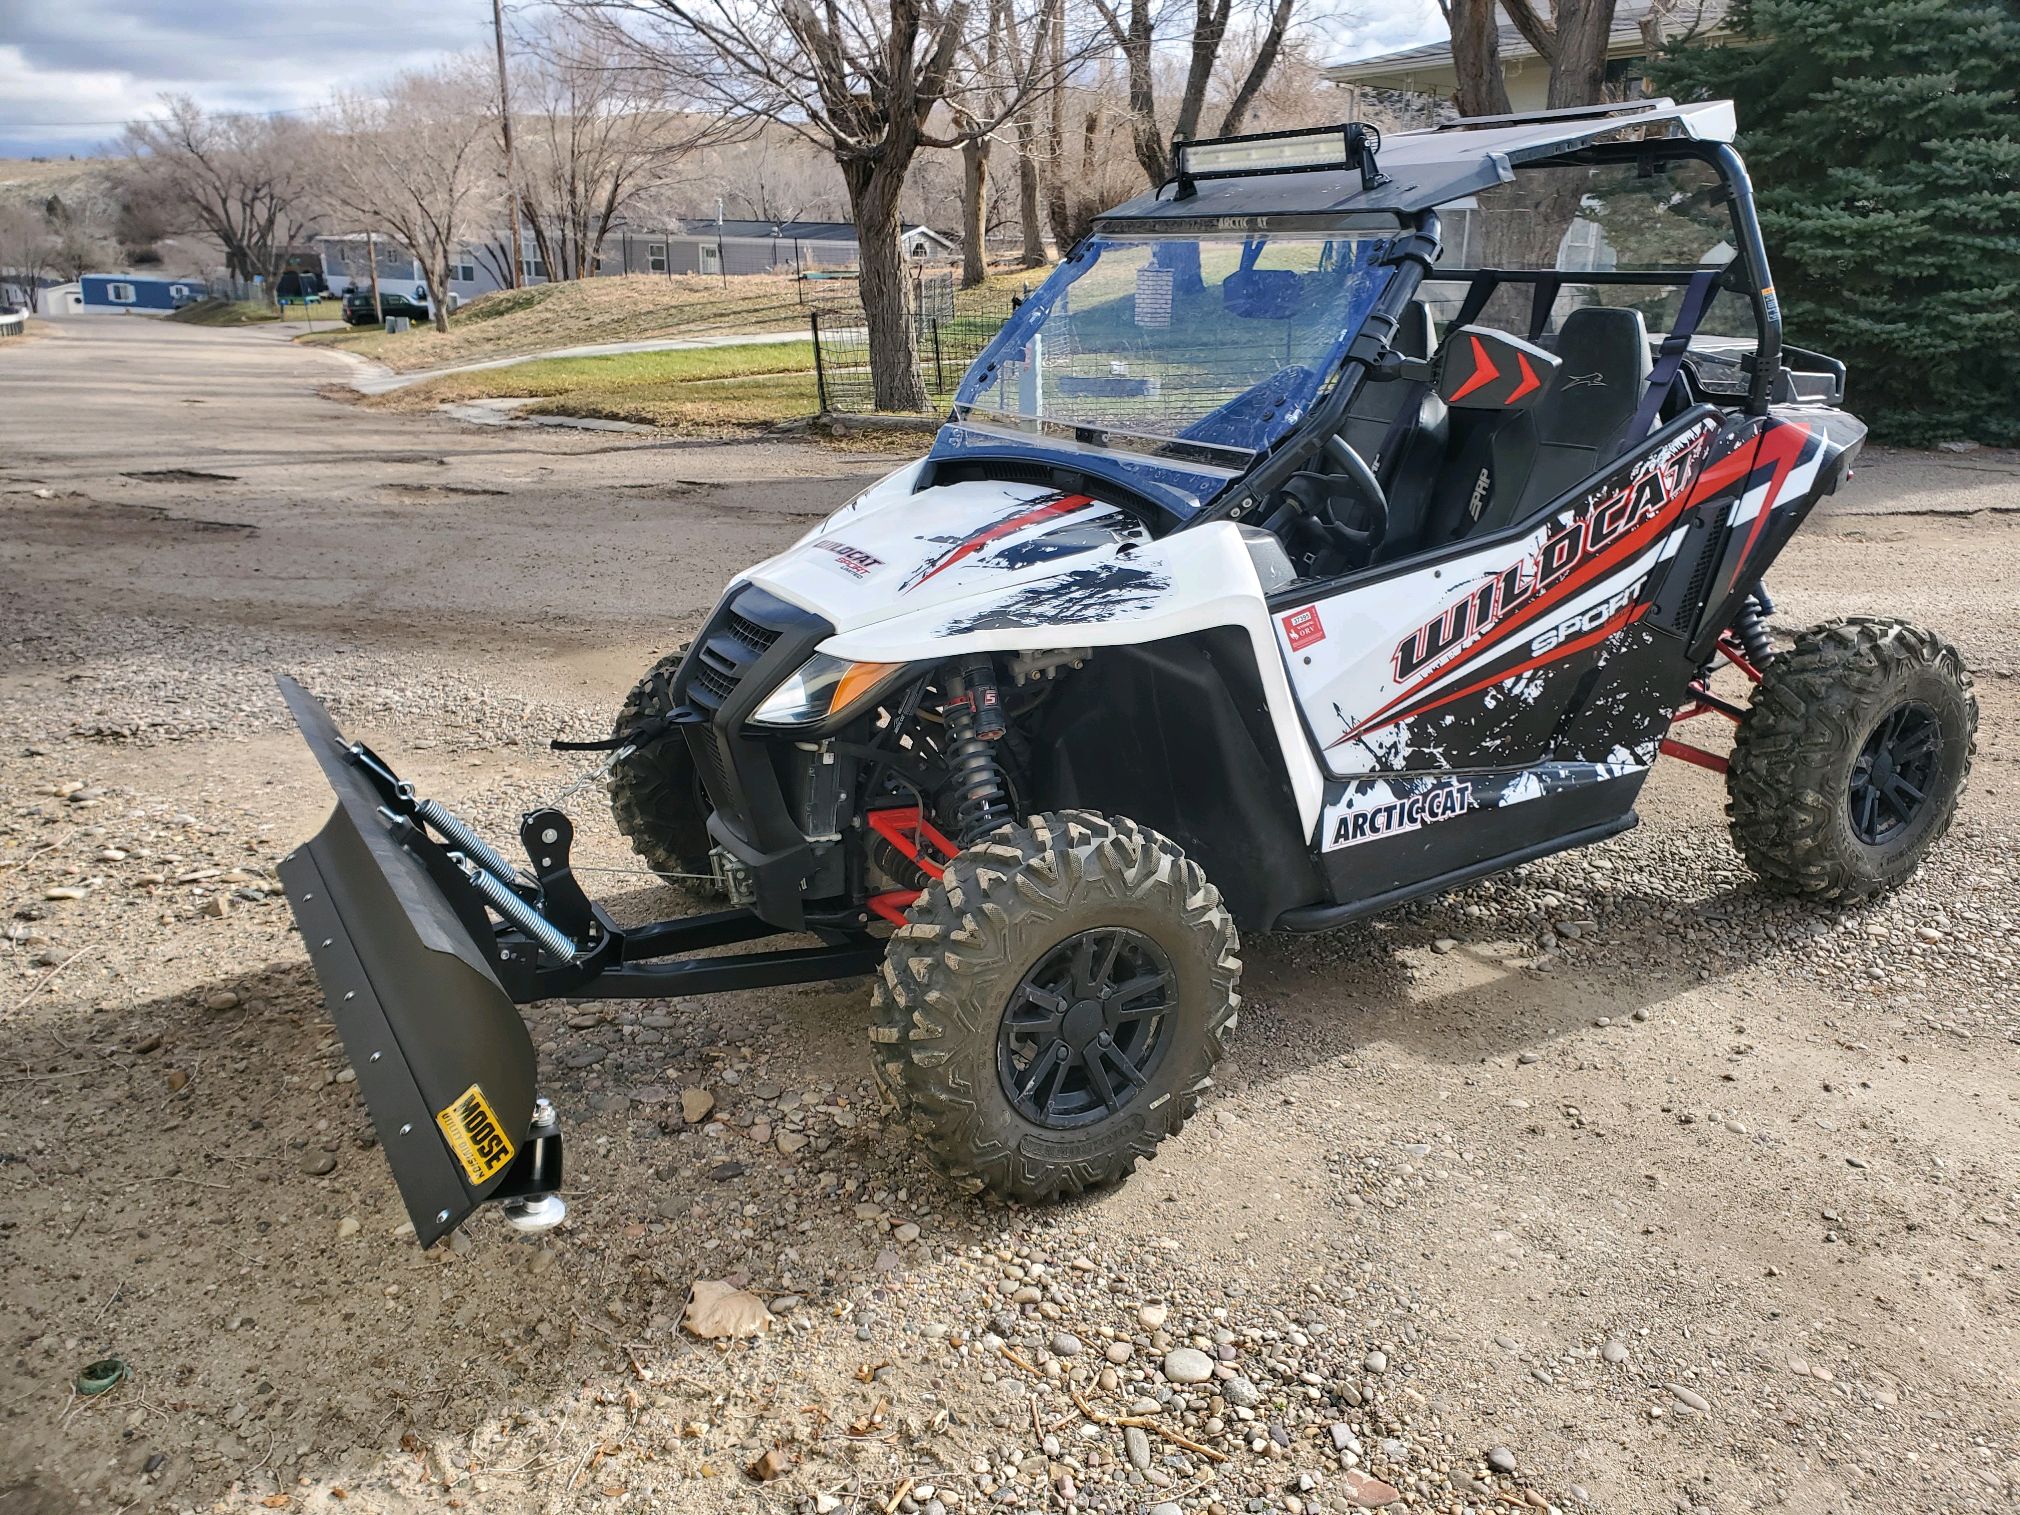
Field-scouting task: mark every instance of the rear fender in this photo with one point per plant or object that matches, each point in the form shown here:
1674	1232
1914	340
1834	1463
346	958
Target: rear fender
1803	454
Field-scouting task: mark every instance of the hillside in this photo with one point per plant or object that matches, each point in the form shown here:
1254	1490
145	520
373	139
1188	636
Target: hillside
36	179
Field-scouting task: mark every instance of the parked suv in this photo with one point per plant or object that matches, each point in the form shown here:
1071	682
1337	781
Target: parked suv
358	305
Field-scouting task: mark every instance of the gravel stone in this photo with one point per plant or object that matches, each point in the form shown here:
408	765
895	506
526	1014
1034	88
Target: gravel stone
1187	1365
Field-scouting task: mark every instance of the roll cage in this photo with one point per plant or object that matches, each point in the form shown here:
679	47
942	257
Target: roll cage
1401	184
1372	357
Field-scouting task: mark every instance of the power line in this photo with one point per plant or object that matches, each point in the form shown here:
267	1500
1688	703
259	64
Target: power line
292	110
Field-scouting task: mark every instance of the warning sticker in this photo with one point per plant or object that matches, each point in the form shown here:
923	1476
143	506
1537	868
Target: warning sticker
1303	627
474	1135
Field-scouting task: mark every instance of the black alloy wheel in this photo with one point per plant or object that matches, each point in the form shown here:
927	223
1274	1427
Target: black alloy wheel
1084	1031
1054	1004
1850	760
1895	772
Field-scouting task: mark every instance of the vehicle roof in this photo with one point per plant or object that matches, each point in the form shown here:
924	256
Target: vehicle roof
1425	169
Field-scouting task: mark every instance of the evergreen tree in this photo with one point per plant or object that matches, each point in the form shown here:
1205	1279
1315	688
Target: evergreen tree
1884	143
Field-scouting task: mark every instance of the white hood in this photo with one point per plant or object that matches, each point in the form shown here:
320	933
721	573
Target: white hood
892	552
990	566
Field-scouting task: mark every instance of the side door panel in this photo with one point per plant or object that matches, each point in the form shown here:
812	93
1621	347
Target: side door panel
1538	666
1467	657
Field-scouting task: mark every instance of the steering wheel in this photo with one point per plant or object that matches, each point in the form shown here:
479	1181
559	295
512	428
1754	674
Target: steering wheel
1344	509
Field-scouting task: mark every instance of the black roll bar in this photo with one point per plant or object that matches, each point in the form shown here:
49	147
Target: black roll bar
1767	309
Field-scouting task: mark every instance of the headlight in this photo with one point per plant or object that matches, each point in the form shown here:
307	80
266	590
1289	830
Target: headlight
823	687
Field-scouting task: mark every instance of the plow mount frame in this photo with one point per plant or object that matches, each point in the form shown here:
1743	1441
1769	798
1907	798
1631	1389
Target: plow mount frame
424	939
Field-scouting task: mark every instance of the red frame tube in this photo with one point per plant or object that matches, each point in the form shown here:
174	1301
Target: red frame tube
906	829
1729	649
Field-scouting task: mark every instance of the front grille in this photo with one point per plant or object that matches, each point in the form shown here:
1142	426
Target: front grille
757	638
711	685
750	642
707	749
728	647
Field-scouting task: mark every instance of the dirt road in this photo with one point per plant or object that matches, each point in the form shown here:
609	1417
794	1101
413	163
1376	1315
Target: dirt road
1613	1184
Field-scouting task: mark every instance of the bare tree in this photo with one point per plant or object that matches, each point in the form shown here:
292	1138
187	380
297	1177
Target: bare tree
79	234
983	67
1089	148
1049	29
863	79
1002	62
418	164
244	180
28	249
1146	33
1571	36
594	131
769	176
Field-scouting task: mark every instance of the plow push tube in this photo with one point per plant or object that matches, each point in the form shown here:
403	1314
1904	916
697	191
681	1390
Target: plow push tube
423	983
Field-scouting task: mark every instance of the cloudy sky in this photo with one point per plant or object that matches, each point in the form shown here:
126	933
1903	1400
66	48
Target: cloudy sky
72	70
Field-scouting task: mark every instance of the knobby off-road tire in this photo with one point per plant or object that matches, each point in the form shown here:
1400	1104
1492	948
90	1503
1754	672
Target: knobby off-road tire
1800	786
1019	908
656	796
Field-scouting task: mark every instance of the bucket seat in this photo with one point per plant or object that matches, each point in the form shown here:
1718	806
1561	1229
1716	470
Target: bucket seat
1501	467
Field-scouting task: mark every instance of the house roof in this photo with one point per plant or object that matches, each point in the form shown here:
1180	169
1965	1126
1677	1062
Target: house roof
800	231
1423	169
1626	38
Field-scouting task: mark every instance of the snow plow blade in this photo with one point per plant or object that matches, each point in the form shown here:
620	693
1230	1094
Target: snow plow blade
442	1058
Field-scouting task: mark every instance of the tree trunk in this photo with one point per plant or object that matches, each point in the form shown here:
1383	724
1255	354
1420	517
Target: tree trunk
974	209
1578	72
543	249
894	353
372	258
1476	56
1028	212
1057	209
1259	69
438	286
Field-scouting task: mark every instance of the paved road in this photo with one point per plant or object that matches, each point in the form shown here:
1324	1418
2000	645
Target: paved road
154	436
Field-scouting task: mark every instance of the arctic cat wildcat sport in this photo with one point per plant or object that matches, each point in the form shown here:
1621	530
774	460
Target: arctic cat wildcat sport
1329	529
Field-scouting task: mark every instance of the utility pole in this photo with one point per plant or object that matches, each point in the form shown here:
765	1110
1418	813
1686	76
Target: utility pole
505	125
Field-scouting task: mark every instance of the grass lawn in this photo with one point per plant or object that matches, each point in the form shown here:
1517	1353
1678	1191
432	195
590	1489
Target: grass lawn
710	391
617	309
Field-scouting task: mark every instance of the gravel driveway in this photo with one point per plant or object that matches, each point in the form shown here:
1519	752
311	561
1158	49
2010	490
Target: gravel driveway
1611	1184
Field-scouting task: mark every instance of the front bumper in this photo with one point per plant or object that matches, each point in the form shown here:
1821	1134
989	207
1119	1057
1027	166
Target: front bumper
752	642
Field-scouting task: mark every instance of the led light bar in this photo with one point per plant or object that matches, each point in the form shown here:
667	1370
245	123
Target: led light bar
1238	155
1348	145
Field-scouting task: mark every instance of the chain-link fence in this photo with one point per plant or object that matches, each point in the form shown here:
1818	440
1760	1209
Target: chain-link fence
949	329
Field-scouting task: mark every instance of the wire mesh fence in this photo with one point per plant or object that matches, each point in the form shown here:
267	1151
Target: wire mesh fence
949	329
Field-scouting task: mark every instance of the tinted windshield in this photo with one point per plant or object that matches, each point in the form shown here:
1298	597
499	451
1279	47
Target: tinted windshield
1206	349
